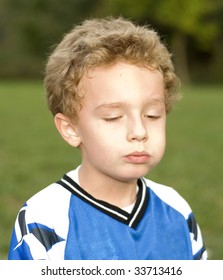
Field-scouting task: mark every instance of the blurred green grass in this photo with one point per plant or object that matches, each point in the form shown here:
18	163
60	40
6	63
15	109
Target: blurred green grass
33	155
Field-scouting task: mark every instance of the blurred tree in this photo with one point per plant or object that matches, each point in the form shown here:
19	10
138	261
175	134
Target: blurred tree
182	18
31	27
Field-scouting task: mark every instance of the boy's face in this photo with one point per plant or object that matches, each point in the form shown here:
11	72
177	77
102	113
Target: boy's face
122	121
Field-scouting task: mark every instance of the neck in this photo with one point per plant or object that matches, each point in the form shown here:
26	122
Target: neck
111	190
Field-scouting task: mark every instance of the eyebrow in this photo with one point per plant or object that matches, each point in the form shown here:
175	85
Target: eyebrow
117	105
155	101
113	105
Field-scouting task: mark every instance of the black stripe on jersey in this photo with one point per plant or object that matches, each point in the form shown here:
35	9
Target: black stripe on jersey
192	224
22	222
115	212
46	236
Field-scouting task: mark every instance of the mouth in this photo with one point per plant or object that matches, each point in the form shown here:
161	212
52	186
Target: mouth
138	157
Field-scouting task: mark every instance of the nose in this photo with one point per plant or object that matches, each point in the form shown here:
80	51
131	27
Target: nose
137	130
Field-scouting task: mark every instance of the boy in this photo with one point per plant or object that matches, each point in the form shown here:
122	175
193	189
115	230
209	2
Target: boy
109	85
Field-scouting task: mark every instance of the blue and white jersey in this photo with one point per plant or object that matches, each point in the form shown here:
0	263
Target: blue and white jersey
63	221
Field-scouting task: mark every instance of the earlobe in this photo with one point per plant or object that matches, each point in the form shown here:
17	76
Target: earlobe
67	129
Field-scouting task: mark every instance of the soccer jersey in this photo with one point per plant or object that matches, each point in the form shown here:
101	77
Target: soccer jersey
63	221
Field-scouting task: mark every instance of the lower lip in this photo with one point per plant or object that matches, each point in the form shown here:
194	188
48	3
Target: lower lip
137	158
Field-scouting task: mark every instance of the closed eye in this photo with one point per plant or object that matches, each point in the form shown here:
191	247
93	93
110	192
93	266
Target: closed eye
112	119
152	116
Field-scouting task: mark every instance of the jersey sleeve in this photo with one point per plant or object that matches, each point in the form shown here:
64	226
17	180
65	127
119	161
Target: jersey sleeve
25	244
41	226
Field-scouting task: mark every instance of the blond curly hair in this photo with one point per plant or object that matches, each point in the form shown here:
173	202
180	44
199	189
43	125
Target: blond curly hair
101	42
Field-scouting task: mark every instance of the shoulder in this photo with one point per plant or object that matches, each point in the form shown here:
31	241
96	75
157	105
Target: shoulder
51	199
170	197
46	207
53	194
173	199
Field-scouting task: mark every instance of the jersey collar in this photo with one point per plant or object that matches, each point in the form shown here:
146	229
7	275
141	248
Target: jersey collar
131	219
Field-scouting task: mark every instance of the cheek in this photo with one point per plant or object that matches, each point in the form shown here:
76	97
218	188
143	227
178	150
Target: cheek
162	143
96	141
158	136
107	134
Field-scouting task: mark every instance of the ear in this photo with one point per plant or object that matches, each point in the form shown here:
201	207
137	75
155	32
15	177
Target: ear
67	129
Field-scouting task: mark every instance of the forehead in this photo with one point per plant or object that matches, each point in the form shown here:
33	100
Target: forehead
120	83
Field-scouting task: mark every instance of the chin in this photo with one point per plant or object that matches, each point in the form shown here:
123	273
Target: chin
135	173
